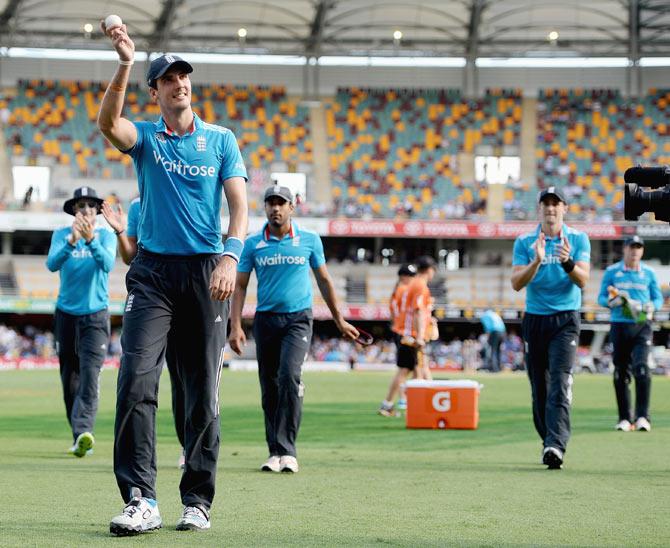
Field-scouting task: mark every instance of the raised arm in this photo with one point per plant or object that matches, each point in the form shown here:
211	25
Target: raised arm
119	131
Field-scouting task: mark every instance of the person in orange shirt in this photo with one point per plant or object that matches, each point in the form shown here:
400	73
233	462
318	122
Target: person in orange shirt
398	306
413	326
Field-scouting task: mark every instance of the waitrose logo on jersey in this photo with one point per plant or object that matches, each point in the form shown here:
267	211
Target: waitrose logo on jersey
278	259
183	169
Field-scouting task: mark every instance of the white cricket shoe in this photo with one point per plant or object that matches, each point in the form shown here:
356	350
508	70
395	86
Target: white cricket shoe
83	445
553	458
623	426
139	516
289	464
642	424
271	465
193	518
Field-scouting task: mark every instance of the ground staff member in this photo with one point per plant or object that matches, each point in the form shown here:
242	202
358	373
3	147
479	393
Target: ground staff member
552	263
84	255
127	231
397	308
282	254
631	290
415	326
494	327
181	278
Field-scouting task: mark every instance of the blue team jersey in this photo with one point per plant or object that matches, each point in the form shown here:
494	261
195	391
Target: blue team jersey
641	285
282	267
180	181
84	270
133	223
491	322
552	290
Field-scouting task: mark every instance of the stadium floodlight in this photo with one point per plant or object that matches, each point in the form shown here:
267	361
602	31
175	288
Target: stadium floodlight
553	62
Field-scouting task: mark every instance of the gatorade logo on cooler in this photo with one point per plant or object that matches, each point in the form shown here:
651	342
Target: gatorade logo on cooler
442	401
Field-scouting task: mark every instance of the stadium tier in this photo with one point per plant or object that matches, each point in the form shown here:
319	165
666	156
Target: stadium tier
395	151
587	138
57	120
390	152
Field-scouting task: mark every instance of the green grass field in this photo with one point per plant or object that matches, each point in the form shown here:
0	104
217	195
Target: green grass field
364	480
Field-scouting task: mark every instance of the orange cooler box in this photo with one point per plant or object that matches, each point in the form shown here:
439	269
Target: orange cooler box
442	404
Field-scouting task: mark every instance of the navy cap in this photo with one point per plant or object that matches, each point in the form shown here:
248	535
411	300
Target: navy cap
407	270
634	240
86	193
552	191
281	191
160	66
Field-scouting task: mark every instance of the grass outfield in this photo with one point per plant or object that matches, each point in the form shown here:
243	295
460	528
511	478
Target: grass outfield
365	480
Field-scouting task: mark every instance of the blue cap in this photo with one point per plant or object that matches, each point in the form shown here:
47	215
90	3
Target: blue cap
634	240
160	66
552	191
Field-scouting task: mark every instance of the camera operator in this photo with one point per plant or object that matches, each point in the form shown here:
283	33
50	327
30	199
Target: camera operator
630	289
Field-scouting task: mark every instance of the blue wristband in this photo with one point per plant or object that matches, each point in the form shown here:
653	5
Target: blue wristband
233	247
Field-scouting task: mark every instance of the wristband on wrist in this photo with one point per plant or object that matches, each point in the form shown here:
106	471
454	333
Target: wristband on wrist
568	266
126	63
233	247
119	232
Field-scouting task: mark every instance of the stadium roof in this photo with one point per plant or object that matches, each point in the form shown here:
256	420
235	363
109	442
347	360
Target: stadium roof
461	28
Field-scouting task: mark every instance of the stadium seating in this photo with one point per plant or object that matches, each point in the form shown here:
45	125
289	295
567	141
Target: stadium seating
588	138
395	151
56	120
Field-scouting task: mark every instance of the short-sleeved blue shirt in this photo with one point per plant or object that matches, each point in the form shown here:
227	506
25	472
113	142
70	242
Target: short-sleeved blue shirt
133	223
180	181
552	290
282	267
640	285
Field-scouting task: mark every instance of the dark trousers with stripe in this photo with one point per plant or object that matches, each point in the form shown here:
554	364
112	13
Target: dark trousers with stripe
282	343
176	384
170	293
631	351
81	345
551	347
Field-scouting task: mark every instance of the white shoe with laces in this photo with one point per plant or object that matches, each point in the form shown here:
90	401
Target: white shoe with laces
289	464
193	518
139	516
642	424
623	426
271	465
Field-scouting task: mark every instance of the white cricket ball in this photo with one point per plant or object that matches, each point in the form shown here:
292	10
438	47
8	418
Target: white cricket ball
112	21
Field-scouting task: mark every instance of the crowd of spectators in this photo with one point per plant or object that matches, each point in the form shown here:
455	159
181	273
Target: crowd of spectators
457	354
28	343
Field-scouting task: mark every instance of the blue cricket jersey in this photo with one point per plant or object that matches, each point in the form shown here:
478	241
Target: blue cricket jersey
552	290
492	322
282	267
180	181
133	223
84	270
641	285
